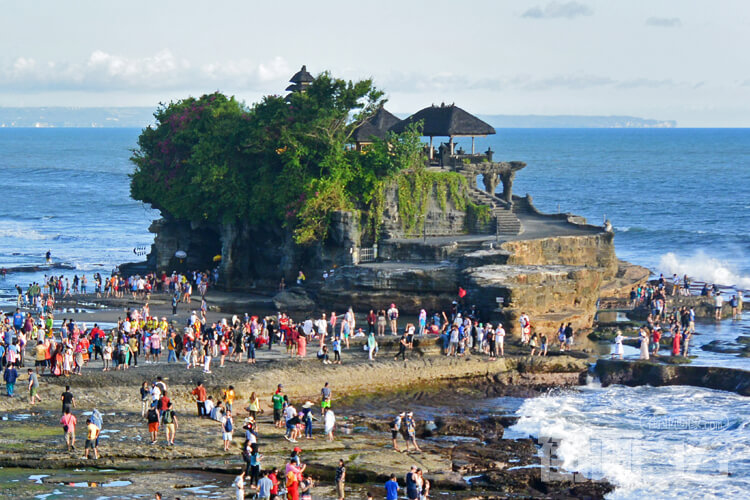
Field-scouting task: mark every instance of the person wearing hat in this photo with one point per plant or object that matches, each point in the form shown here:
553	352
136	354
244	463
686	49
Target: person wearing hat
307	419
410	428
395	429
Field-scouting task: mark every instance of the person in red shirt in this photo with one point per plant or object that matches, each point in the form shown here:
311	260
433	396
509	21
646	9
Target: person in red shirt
273	476
200	396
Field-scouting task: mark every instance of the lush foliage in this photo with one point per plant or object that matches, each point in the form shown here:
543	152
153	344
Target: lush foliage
283	161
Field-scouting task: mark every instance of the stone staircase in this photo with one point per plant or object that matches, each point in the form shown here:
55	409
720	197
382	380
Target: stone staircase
506	221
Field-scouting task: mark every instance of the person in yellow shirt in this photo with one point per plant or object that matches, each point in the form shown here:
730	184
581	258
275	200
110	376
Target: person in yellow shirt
40	356
229	397
91	432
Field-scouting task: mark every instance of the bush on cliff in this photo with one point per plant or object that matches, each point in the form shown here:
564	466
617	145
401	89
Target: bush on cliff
282	161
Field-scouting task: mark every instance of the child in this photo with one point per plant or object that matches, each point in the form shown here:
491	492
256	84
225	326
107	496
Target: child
532	343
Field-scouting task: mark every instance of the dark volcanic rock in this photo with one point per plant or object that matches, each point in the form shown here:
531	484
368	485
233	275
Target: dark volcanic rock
611	371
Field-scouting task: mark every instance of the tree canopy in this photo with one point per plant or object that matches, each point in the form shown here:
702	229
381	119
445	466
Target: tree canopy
280	161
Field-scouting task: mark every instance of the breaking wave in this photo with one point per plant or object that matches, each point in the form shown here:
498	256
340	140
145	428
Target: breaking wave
703	267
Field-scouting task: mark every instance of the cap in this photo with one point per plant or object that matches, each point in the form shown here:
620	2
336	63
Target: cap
297	449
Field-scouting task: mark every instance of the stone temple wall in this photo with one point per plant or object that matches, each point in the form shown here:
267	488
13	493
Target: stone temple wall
437	222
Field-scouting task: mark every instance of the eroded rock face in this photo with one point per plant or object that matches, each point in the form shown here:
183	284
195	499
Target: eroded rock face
652	373
293	299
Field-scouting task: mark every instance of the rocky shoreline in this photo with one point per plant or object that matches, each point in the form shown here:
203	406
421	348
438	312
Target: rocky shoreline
455	445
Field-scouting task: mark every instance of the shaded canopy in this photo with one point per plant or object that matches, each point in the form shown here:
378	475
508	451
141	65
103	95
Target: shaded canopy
377	126
446	121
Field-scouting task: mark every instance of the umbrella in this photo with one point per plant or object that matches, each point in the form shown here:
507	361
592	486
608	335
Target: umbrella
180	254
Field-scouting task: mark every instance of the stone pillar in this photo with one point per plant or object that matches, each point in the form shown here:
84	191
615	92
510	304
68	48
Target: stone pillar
507	179
491	180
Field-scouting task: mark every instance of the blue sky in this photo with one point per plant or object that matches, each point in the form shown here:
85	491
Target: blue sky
665	59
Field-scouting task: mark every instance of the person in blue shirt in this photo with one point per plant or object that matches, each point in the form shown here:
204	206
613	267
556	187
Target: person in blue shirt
18	320
10	376
391	488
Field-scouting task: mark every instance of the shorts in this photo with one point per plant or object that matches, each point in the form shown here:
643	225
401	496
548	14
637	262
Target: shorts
569	340
325	404
340	489
394	434
153	426
155	351
169	427
33	391
90	444
226	436
40	362
276	415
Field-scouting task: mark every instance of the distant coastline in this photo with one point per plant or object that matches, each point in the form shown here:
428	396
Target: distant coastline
139	117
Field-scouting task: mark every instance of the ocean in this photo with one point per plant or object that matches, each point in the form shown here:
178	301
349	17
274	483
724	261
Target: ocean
679	200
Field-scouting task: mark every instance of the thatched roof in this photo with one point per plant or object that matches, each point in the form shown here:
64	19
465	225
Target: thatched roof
445	121
300	80
377	126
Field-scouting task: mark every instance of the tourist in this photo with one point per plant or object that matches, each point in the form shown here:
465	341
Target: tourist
525	328
68	422
325	398
393	319
372	345
40	356
424	485
152	418
410	429
532	343
329	420
655	340
91	434
412	489
169	419
264	487
277	401
229	397
500	340
371	320
239	486
98	420
402	346
676	337
396	429
336	346
292	420
643	337
569	337
307	419
200	398
10	376
305	488
33	388
254	463
381	322
619	351
340	479
718	304
391	488
145	398
292	484
68	401
227	428
253	406
274	477
323	355
543	349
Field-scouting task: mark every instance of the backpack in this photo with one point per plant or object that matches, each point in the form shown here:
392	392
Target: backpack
167	416
152	416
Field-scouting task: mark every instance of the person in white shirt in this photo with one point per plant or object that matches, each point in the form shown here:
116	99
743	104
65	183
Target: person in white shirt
239	485
718	304
500	340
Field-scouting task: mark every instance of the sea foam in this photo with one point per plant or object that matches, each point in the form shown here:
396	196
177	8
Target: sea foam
703	267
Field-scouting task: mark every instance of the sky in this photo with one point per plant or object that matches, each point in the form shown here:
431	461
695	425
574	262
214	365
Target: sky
681	60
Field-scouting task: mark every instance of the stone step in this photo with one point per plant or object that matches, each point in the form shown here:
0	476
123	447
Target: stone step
507	222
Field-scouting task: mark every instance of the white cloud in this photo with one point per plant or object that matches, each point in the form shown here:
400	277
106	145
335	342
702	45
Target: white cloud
555	10
664	22
103	72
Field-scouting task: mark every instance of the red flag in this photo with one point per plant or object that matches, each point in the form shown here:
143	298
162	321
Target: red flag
461	292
